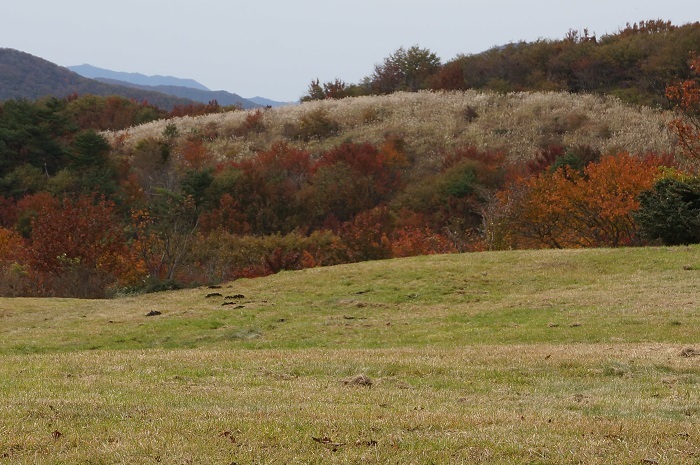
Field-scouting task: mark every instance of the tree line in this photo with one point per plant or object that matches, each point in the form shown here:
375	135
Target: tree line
635	64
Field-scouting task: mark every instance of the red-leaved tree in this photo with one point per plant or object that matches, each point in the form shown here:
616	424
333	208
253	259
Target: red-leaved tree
686	98
79	247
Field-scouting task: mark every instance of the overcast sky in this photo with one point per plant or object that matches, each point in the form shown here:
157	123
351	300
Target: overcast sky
274	48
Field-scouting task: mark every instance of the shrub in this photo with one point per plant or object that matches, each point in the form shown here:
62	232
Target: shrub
252	124
222	256
315	124
14	270
670	211
366	236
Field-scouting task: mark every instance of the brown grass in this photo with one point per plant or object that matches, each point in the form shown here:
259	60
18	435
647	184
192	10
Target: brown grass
432	124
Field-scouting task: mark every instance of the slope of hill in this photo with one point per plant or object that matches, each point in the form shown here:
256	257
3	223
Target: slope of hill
501	287
26	76
94	72
222	97
431	124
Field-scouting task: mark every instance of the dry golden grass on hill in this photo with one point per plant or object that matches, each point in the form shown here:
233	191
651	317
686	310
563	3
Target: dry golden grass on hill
434	123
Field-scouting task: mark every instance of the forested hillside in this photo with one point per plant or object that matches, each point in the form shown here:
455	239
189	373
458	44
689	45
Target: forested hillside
215	195
635	64
25	76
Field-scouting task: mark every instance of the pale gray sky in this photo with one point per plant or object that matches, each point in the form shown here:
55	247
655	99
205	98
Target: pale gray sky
274	48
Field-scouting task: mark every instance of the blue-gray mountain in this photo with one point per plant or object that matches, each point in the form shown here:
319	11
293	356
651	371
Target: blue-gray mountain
179	87
24	76
222	97
93	72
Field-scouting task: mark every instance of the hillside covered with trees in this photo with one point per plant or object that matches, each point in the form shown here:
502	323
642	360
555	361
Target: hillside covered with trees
91	205
25	76
635	64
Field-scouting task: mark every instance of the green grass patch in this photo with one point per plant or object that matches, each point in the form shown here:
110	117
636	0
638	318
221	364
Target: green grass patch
581	356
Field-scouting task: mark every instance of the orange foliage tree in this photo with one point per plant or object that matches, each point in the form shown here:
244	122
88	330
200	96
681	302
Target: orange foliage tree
14	264
366	236
195	155
568	208
686	97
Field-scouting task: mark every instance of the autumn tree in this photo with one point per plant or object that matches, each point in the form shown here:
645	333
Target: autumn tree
268	189
412	240
366	236
534	214
686	98
29	206
352	178
452	200
15	271
335	89
163	233
80	246
405	69
153	166
568	208
114	112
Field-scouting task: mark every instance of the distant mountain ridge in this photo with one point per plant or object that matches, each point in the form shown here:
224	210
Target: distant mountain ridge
266	102
187	88
222	97
93	72
25	76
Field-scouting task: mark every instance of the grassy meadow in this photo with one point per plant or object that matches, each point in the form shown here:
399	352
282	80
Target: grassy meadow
537	357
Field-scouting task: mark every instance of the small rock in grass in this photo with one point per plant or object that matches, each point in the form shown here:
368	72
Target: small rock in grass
153	313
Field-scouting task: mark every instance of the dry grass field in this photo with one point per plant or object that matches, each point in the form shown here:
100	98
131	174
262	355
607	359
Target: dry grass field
523	357
434	123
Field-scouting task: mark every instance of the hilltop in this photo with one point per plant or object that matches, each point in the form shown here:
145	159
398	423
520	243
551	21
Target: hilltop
431	124
636	64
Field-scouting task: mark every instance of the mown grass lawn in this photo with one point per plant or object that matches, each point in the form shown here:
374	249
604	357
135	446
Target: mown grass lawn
577	356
